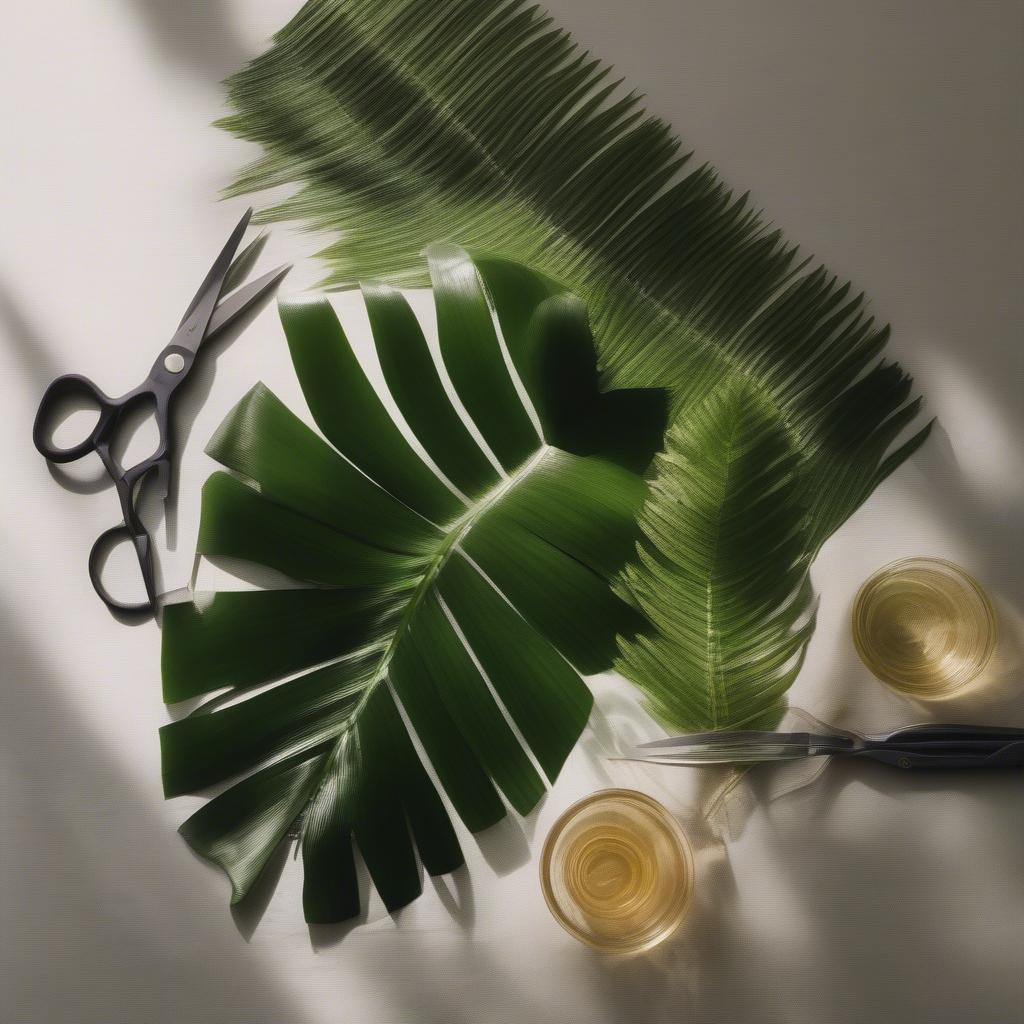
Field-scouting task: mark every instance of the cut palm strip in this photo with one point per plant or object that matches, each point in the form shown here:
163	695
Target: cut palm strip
465	611
407	122
722	570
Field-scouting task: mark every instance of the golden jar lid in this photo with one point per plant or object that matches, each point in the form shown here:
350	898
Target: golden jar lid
924	626
617	871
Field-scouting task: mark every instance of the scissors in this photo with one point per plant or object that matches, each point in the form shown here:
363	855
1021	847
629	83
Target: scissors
205	318
919	746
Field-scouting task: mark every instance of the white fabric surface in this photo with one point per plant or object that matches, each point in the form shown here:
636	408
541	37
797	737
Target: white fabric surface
884	135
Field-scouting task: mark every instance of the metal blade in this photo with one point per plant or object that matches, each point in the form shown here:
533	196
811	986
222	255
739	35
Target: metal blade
724	737
244	262
238	303
749	753
193	328
738	747
238	271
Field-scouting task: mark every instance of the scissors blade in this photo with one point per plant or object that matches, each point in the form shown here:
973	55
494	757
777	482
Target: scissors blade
193	327
237	272
737	747
239	302
244	262
753	753
719	738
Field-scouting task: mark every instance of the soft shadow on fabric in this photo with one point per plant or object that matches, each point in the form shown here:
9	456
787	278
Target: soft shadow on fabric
105	887
197	36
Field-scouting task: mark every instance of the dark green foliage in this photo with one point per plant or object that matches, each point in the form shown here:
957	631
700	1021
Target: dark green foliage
471	610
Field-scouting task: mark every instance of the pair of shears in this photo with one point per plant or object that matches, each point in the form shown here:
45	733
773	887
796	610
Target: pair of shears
206	317
919	746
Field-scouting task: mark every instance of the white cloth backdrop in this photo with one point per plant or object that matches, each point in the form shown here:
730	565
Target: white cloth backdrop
885	136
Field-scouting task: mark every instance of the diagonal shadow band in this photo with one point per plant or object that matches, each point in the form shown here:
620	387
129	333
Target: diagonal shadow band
105	917
199	37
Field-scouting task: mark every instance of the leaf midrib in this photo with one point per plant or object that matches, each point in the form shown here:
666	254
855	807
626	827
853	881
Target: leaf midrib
458	530
717	691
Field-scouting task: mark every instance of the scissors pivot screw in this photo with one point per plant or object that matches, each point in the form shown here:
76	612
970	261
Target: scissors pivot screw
174	363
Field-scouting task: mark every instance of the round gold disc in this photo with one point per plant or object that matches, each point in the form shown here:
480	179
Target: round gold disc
617	871
924	626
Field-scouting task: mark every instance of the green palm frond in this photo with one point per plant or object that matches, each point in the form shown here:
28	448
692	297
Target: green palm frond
463	610
406	122
722	569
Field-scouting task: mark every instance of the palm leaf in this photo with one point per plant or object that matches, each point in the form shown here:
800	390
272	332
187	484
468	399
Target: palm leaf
722	569
401	122
406	122
463	607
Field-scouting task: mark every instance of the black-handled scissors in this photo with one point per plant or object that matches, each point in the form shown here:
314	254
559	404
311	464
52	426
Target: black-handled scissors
203	319
919	746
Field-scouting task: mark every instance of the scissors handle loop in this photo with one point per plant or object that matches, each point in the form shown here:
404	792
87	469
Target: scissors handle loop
104	544
70	386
